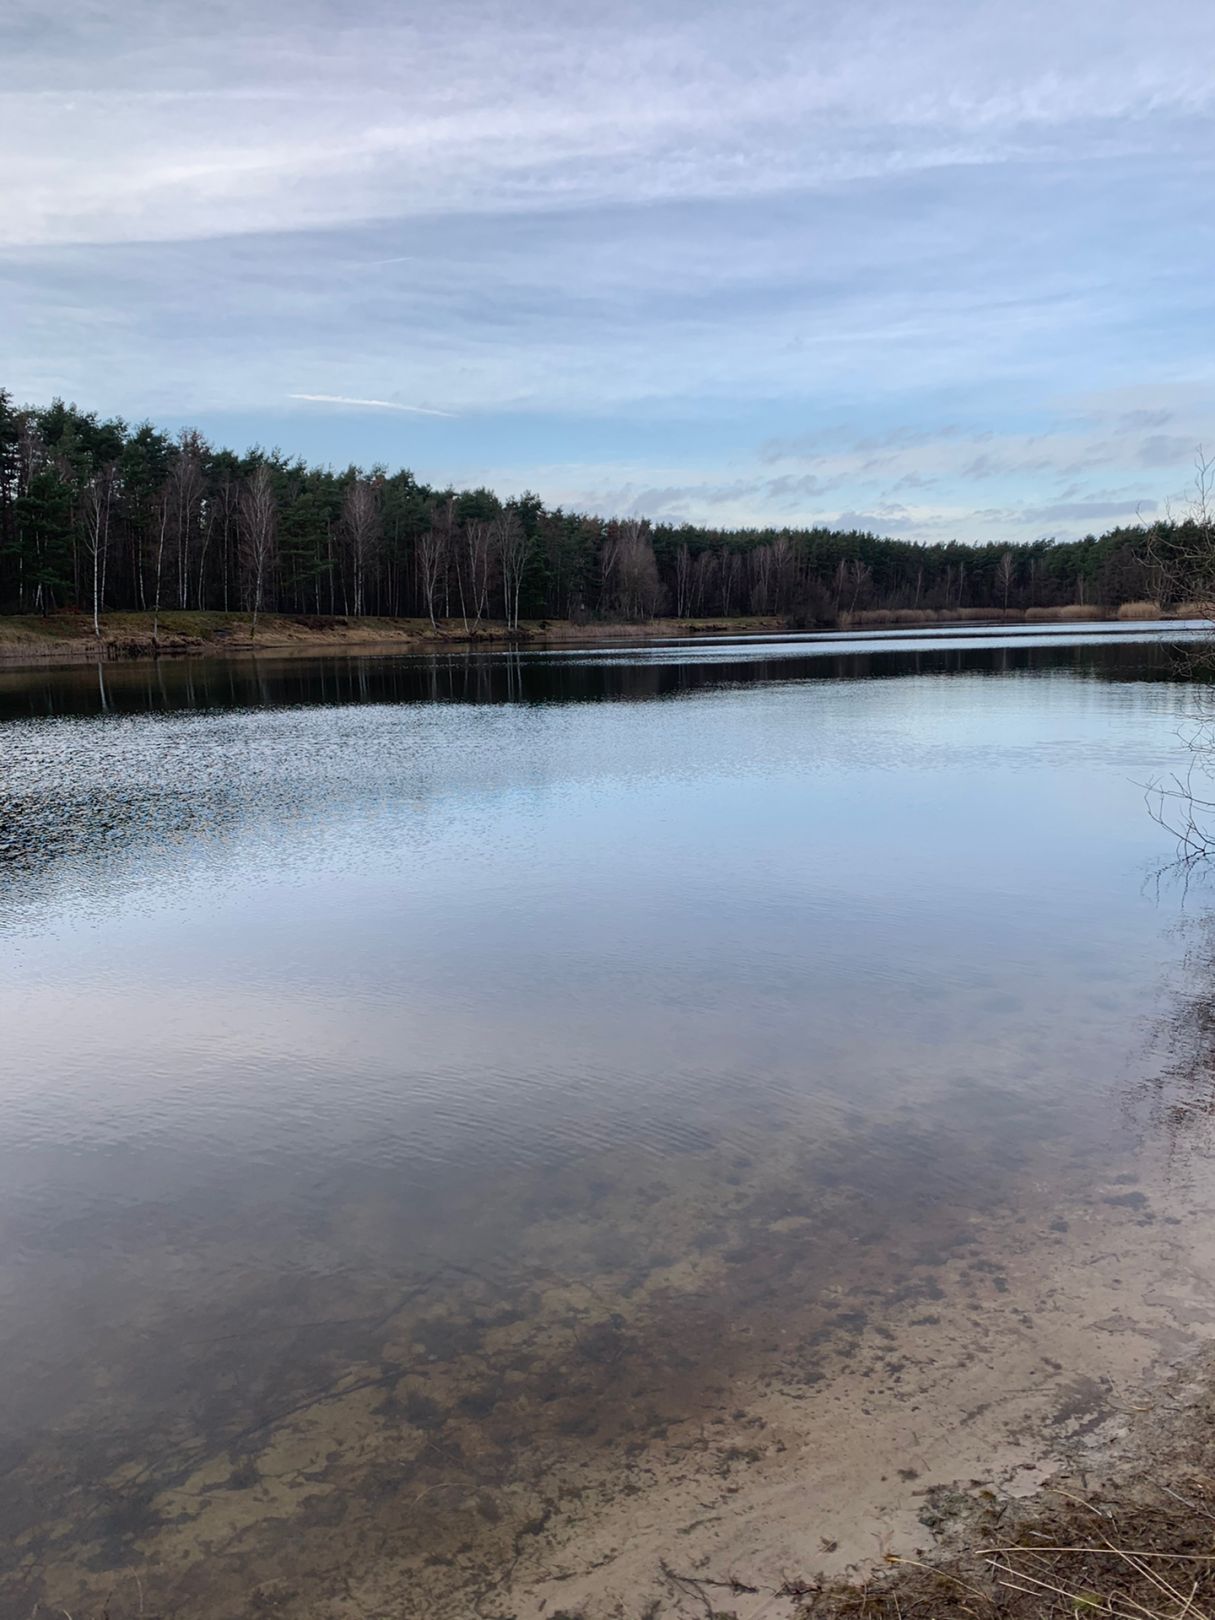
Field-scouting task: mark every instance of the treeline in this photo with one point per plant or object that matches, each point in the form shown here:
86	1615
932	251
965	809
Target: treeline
96	515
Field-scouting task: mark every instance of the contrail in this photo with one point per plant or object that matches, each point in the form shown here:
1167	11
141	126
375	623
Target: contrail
369	404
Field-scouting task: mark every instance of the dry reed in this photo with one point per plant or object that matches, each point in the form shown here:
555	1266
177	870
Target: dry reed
1150	1556
1069	613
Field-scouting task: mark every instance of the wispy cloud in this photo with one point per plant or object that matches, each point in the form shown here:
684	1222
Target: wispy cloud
282	114
370	404
1088	511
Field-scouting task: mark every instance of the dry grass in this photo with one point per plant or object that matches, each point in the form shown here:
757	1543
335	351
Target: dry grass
1070	612
1131	1537
1150	1556
866	618
1193	610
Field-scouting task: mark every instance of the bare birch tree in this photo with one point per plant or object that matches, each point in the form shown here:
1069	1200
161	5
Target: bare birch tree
784	573
761	579
162	509
637	588
862	581
186	482
704	581
433	552
609	558
511	547
98	500
729	569
683	582
477	553
259	525
361	530
1005	570
222	517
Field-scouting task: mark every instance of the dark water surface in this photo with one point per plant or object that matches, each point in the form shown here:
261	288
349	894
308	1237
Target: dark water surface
426	1078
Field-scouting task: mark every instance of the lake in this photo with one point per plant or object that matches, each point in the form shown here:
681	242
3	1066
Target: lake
477	1131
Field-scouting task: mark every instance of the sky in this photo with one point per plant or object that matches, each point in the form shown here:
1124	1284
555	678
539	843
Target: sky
937	268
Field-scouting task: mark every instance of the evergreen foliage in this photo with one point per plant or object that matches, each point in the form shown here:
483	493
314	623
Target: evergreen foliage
188	526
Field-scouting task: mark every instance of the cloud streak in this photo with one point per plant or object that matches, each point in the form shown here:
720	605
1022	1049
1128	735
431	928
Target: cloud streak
370	404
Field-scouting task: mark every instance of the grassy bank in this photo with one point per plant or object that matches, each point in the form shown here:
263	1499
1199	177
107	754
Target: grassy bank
68	637
1070	613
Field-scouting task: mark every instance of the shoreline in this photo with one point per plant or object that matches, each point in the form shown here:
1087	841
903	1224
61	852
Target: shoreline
1123	1530
32	642
127	637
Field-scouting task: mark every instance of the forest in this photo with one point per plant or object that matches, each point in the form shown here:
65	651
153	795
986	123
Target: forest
98	516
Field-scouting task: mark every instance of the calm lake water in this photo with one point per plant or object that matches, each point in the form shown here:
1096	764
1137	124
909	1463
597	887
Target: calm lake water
428	1083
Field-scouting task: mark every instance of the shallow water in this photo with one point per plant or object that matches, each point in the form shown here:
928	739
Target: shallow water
444	1098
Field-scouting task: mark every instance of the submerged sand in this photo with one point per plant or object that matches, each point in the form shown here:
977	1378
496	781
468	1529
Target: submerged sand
772	1394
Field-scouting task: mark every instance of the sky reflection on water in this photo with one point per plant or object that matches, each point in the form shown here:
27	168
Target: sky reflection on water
320	981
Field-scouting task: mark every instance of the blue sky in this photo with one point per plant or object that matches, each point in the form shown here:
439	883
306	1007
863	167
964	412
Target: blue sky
938	268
